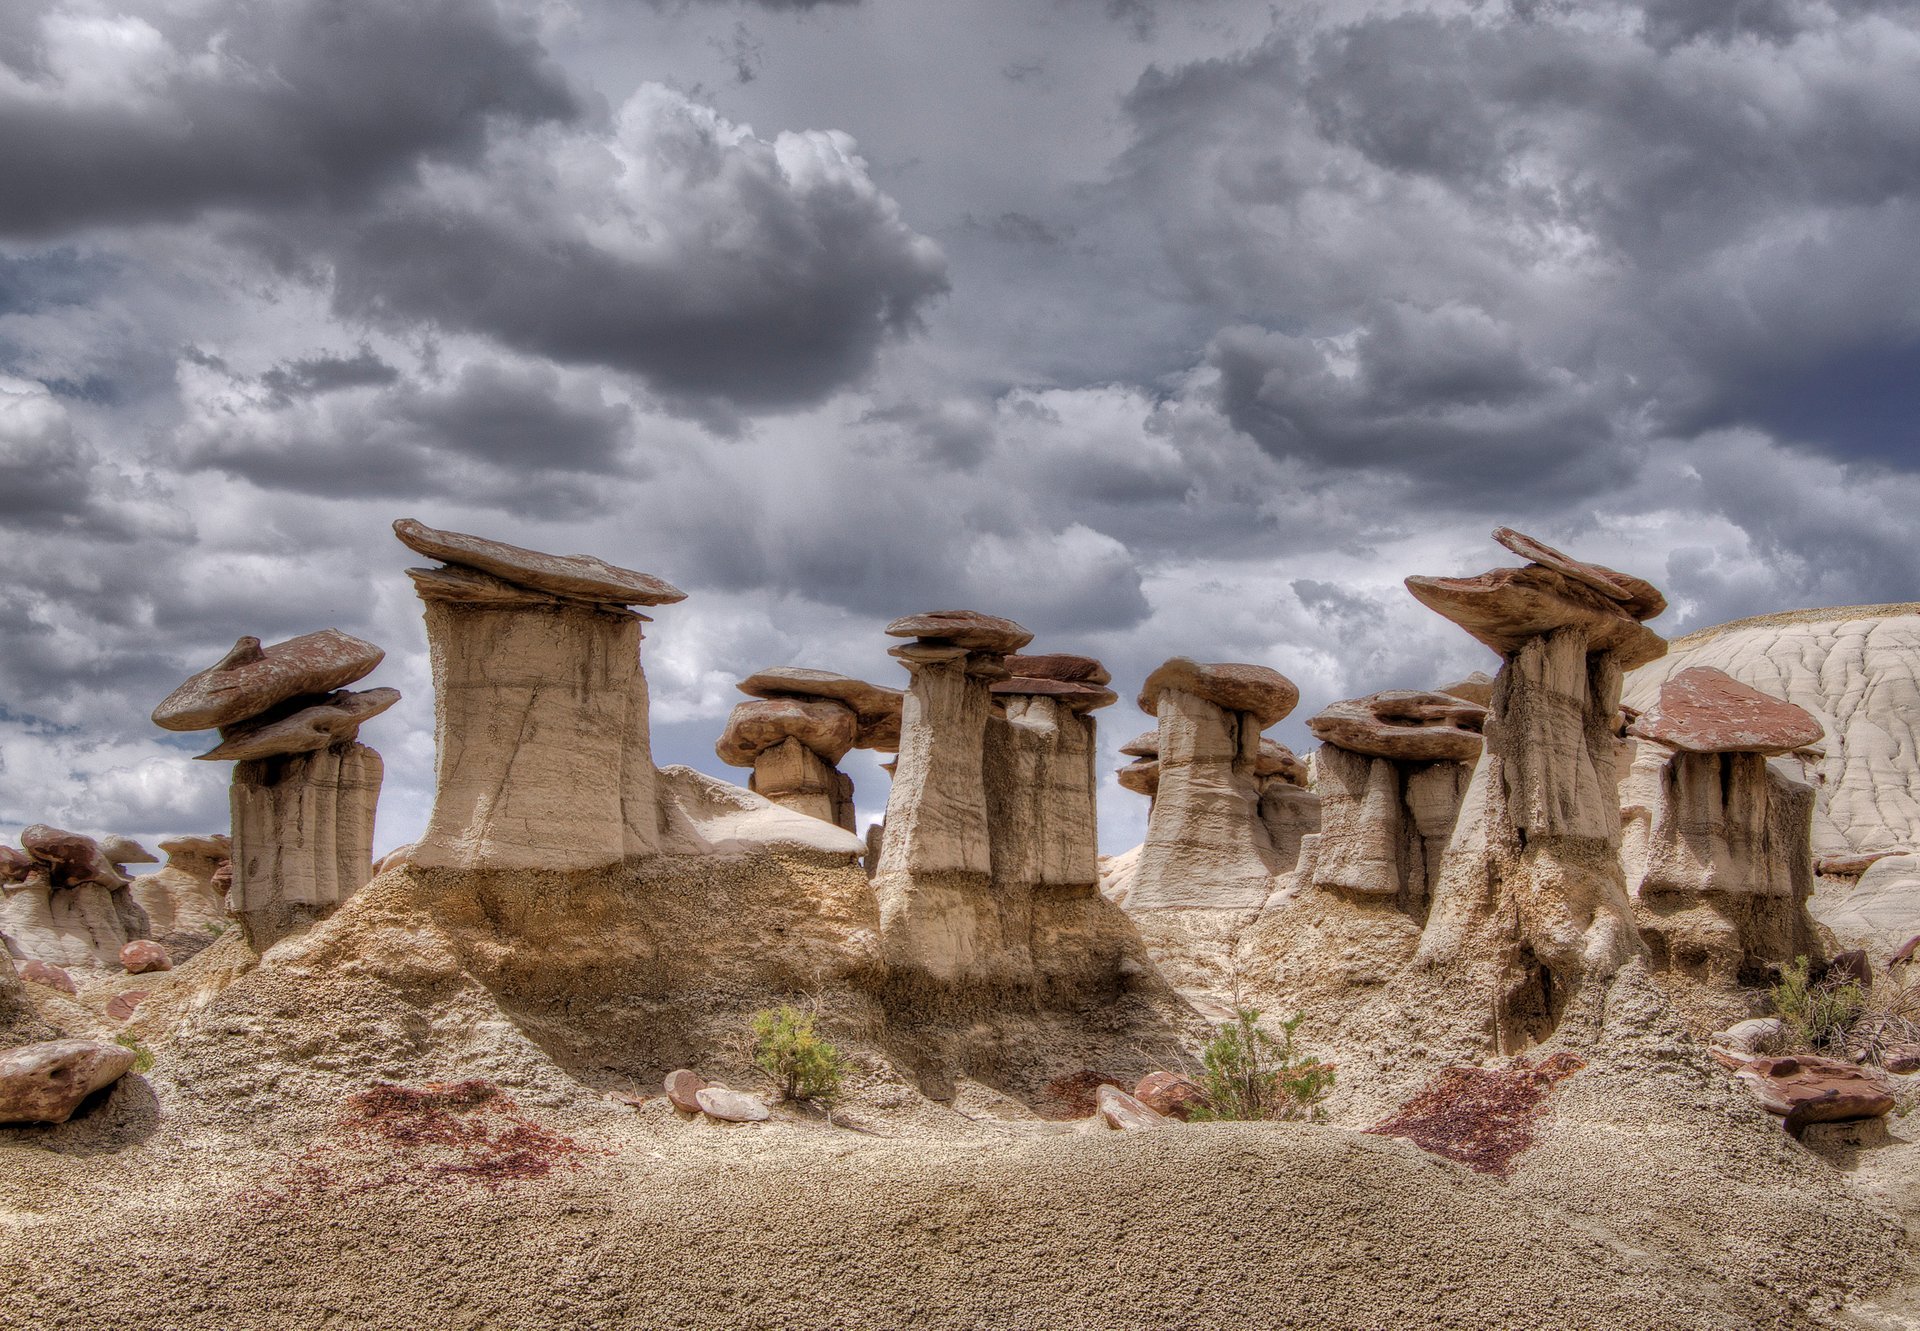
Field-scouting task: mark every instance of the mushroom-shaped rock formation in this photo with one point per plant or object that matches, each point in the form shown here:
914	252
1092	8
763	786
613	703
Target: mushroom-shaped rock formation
250	681
793	746
121	851
321	725
876	706
986	874
1289	809
1207	842
304	789
184	909
1393	769
1041	782
1264	694
806	776
1406	725
540	706
1717	841
69	907
987	634
1531	899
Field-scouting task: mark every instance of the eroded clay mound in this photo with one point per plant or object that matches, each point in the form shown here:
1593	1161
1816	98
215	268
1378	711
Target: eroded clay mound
1857	670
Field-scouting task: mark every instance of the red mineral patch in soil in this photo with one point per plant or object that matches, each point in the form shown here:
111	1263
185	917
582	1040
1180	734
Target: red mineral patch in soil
1483	1118
422	1136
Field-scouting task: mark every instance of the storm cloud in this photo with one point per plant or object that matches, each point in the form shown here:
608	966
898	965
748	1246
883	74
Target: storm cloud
1162	328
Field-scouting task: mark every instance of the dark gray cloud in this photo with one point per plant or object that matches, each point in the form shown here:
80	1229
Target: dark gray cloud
1513	251
723	269
158	112
491	432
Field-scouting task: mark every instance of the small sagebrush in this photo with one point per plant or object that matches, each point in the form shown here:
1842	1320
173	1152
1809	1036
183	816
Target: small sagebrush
1251	1075
1817	1017
142	1056
786	1048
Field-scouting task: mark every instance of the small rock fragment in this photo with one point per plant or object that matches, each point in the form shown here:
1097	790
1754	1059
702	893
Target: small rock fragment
732	1106
142	955
1122	1111
45	1083
683	1089
122	1006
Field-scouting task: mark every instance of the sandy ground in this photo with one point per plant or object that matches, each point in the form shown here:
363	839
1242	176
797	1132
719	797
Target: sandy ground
245	1180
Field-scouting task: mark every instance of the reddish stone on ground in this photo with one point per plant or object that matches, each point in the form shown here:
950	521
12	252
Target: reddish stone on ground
121	1006
1807	1089
1169	1093
682	1088
1122	1111
45	1083
142	955
41	972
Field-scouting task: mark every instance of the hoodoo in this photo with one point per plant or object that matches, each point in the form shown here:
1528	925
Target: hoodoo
304	789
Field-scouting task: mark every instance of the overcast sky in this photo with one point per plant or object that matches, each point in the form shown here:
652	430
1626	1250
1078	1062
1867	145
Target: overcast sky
1163	326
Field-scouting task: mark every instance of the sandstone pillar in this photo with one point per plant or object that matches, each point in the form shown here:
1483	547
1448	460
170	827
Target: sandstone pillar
1531	889
1207	844
304	791
540	706
1393	770
934	877
1718	840
1042	783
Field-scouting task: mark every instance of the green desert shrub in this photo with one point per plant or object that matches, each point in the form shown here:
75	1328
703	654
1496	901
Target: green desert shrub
802	1065
1248	1074
1817	1016
142	1056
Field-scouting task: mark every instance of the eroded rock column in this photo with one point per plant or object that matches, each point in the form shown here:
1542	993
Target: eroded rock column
1393	768
541	724
936	861
802	724
1207	844
1718	840
304	790
1042	782
1531	889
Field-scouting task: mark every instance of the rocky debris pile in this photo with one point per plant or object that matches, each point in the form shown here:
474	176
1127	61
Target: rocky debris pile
1805	1089
46	1082
63	902
1717	840
1393	769
541	727
801	724
304	789
1531	900
1215	787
